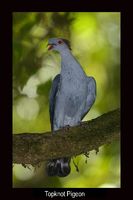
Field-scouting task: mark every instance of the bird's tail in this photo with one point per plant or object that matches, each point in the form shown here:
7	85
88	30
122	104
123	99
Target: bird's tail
58	167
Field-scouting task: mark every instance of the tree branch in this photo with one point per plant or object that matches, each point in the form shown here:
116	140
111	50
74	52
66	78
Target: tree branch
32	148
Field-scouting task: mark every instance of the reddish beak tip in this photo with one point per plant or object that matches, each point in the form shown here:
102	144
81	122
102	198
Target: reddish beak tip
50	46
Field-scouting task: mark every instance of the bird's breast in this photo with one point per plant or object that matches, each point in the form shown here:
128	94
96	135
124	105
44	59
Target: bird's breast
73	84
70	101
72	93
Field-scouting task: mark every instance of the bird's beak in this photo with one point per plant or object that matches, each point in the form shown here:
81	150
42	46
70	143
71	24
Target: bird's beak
50	46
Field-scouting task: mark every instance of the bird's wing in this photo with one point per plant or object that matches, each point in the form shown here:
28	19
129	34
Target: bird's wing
52	98
91	95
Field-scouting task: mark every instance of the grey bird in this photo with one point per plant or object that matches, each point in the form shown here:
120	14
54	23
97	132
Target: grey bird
71	97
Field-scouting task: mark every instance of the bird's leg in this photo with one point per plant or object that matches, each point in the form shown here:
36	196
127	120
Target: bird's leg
66	128
83	124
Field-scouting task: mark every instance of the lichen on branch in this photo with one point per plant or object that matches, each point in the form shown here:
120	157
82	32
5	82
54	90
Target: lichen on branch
33	148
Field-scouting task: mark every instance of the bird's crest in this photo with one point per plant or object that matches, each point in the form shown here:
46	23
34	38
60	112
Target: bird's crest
67	42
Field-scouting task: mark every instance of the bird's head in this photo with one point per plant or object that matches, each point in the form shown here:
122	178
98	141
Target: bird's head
58	44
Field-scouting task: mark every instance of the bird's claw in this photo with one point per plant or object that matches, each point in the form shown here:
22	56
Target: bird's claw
83	124
66	128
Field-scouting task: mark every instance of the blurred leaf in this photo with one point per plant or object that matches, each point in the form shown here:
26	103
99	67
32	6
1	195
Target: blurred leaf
44	88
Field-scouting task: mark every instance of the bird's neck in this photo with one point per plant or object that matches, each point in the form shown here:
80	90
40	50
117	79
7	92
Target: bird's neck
65	54
69	63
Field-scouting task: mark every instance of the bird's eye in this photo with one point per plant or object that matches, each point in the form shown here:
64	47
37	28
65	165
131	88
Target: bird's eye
60	42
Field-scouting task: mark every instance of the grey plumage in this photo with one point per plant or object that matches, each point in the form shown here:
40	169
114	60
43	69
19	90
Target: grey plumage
71	97
52	99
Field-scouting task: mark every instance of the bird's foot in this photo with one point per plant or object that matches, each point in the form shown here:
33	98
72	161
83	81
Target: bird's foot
66	128
83	124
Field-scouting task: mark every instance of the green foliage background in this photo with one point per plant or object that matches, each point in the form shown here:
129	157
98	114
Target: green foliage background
95	41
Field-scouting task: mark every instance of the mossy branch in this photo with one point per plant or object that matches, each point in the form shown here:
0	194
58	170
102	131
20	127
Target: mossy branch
32	148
